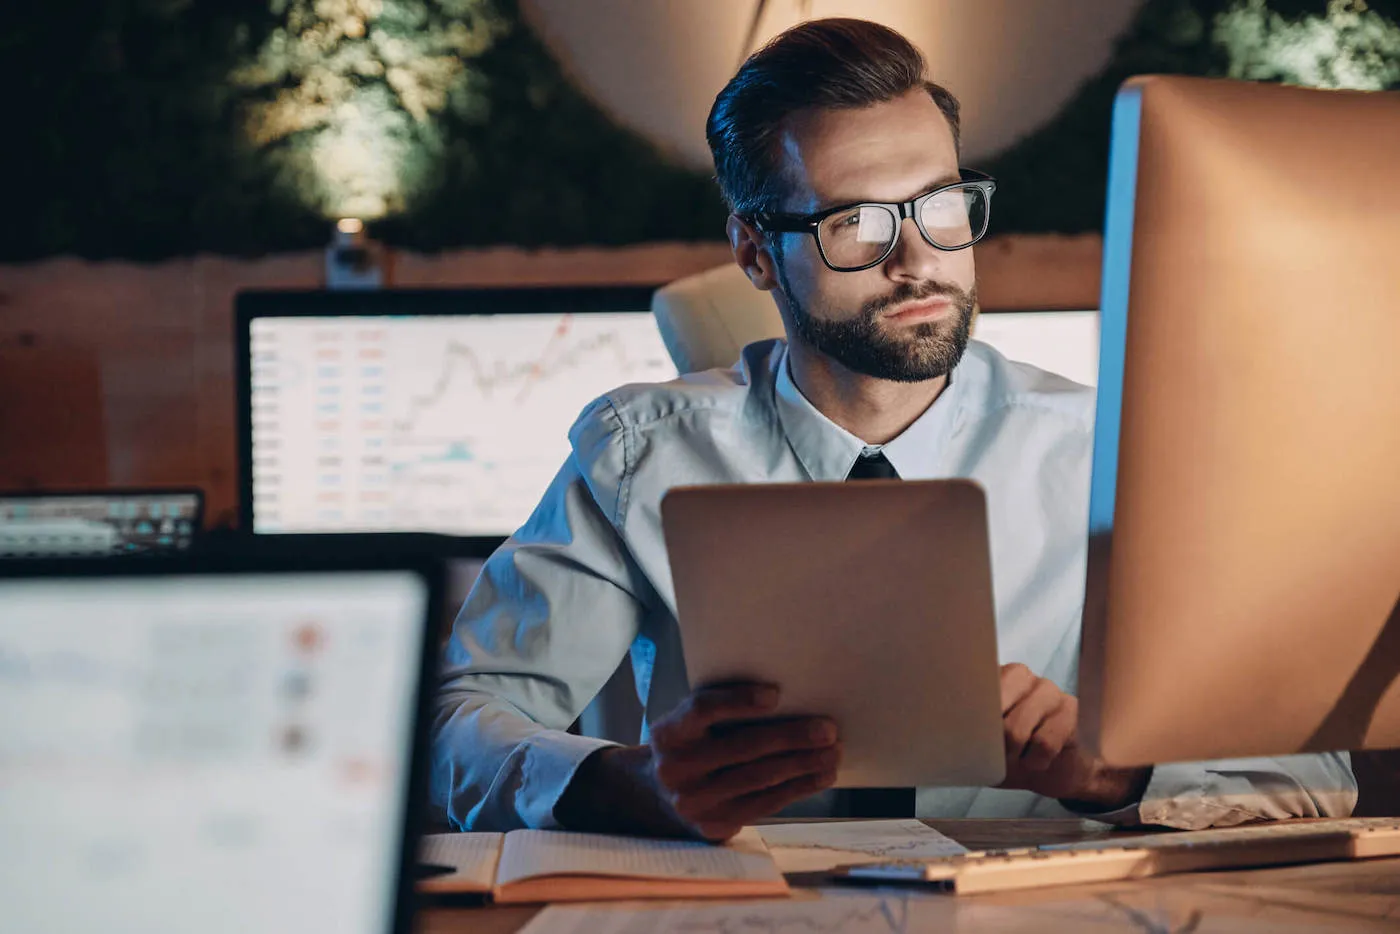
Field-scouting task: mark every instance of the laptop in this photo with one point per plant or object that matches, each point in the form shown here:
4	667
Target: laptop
99	522
232	743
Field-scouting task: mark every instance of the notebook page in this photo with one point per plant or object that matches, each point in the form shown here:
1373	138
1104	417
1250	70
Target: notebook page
819	846
533	853
473	855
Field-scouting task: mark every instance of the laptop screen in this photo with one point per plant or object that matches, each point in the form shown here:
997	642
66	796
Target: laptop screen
38	525
447	423
206	752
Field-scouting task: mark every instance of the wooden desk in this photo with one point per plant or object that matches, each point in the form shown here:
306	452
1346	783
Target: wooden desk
1356	896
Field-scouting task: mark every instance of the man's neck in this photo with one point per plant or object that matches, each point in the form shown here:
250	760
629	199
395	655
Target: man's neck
874	410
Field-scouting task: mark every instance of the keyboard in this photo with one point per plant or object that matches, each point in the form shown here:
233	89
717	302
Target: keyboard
1140	857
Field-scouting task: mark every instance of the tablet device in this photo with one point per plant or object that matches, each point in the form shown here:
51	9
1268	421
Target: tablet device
867	602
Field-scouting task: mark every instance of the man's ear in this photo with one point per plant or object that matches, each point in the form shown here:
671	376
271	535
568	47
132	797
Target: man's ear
752	253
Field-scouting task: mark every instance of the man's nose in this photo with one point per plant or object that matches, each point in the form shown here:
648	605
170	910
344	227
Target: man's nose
913	258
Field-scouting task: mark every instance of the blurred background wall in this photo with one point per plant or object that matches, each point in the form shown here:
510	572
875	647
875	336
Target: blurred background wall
656	67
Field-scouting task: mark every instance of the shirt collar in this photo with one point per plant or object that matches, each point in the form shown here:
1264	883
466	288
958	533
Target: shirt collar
828	451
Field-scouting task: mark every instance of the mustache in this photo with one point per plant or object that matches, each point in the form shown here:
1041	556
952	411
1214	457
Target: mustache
915	292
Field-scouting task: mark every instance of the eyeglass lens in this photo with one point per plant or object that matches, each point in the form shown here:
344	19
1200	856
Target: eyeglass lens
953	218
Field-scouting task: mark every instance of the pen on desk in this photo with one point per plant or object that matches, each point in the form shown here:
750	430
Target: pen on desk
429	870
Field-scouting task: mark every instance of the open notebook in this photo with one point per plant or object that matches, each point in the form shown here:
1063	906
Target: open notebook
557	866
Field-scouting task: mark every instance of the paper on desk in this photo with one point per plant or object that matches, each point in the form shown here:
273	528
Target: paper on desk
472	855
532	853
1122	908
827	913
816	847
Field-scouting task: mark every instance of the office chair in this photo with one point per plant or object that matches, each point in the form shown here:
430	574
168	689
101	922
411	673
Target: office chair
707	318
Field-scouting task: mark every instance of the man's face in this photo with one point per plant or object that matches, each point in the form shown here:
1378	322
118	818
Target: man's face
908	318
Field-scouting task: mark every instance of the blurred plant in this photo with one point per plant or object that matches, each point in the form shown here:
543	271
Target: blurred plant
126	137
344	95
1054	178
1348	46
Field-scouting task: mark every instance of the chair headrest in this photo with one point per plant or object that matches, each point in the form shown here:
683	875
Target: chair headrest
706	319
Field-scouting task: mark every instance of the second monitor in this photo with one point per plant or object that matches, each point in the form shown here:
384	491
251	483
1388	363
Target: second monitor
424	410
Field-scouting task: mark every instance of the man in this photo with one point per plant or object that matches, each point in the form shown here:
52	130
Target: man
840	165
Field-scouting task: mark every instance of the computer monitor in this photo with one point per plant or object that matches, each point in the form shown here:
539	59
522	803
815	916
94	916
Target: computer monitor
424	410
1244	567
1063	342
225	746
99	522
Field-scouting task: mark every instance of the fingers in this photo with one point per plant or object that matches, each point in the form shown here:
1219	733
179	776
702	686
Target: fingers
1052	737
723	824
1039	725
706	707
1016	682
717	790
685	767
720	760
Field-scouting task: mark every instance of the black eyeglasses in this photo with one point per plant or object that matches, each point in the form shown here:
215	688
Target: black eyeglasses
852	237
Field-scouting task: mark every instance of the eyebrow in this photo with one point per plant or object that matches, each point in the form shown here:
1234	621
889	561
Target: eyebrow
939	182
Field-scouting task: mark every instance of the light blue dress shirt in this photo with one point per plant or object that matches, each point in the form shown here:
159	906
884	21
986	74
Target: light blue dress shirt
586	580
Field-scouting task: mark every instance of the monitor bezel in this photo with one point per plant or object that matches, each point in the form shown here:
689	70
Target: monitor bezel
412	807
439	303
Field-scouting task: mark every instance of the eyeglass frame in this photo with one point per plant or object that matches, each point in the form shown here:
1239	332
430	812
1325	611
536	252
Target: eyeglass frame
778	222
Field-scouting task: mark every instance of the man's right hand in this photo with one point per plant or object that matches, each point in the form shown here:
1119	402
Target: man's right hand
717	762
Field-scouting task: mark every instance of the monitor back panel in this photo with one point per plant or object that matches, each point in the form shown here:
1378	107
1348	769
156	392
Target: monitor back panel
1244	583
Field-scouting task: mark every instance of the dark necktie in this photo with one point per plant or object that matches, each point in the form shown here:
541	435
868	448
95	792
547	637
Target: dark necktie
873	467
874	802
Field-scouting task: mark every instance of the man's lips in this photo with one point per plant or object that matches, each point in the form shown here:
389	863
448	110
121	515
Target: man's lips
917	311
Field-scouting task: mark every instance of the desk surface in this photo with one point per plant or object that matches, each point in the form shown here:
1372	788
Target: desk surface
1354	896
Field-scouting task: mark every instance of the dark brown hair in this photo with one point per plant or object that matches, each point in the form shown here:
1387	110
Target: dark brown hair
824	64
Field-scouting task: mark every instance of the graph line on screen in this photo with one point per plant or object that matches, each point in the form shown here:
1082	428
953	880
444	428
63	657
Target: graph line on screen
442	423
486	378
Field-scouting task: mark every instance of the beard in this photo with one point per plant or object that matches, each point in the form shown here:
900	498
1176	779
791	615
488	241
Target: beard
863	344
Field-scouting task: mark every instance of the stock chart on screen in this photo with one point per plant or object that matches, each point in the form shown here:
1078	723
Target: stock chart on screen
443	423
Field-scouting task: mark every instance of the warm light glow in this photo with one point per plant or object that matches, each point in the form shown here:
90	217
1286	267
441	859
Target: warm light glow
349	225
358	157
349	90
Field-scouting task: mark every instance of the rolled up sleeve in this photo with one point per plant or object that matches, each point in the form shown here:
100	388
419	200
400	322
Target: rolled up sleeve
1227	792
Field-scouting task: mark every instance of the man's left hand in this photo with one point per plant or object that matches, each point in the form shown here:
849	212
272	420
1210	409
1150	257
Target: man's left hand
1043	755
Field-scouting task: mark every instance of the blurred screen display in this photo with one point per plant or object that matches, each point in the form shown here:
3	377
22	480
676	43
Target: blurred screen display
206	753
1063	342
73	524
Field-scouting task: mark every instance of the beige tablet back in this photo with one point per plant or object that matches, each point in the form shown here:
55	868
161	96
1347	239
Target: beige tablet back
868	602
